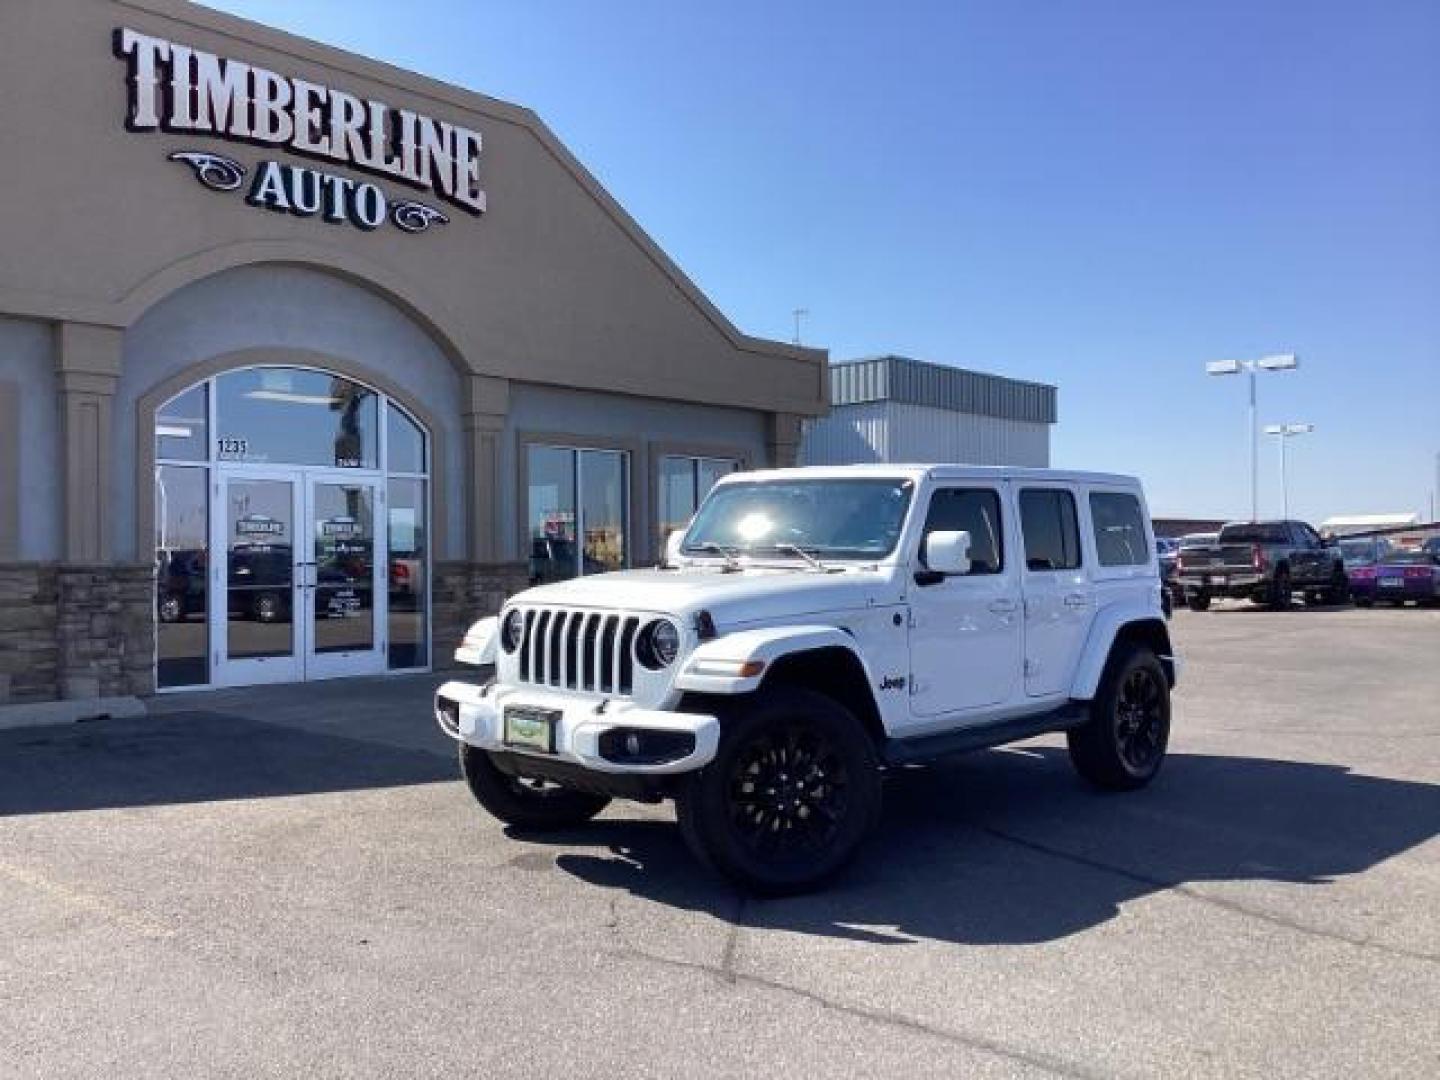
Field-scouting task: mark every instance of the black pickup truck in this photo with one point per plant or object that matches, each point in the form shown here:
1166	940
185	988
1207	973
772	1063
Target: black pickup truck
1264	561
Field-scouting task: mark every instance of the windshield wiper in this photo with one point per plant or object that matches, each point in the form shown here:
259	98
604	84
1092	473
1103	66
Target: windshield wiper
729	554
811	559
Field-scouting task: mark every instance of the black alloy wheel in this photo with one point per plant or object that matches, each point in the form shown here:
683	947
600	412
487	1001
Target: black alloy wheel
793	791
1141	725
1122	745
789	791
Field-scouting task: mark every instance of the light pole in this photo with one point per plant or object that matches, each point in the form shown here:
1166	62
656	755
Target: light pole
1279	362
1285	432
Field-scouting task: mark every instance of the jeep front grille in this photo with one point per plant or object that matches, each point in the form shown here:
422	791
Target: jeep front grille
579	650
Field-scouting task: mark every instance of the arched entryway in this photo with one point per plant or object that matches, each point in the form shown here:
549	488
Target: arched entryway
292	524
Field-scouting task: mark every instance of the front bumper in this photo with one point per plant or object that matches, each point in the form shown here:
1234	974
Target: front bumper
475	714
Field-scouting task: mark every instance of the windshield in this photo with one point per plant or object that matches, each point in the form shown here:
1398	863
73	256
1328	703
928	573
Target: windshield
843	519
1255	534
1358	552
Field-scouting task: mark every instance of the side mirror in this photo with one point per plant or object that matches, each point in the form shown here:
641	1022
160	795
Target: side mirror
672	547
948	552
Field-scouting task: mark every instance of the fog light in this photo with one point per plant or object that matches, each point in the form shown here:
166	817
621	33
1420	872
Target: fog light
632	744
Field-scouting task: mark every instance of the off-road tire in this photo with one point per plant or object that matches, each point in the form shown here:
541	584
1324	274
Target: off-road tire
1338	591
1122	745
1200	602
517	802
793	792
1277	598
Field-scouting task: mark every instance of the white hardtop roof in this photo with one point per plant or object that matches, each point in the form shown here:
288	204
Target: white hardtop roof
937	472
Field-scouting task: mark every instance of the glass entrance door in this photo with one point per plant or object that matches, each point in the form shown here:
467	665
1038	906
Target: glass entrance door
300	568
255	629
346	598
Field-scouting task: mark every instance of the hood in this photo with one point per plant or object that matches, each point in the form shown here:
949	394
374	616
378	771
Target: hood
750	595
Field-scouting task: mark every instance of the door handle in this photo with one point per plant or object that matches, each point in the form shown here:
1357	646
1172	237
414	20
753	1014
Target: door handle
1077	600
1004	607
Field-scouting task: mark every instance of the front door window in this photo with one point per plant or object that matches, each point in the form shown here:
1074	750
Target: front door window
260	568
343	524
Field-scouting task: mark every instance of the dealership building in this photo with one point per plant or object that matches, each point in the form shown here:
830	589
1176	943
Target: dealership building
306	360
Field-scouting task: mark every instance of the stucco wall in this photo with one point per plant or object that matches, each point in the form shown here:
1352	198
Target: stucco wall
98	224
27	360
282	307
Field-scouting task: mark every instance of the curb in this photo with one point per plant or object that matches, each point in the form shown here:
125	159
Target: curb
50	713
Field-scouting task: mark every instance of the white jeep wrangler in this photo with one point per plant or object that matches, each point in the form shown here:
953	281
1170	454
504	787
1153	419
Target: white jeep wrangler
810	628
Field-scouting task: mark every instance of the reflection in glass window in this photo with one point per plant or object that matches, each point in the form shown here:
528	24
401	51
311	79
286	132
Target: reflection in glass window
1052	537
575	494
408	585
602	510
972	510
295	417
182	427
552	514
404	442
684	483
182	549
260	562
1119	529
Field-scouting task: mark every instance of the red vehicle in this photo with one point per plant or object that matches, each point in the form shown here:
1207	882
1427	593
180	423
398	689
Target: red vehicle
1397	577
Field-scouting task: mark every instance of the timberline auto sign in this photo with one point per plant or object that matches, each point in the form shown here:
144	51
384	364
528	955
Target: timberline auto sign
177	89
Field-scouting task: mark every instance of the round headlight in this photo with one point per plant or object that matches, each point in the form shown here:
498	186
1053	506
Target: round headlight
659	644
512	630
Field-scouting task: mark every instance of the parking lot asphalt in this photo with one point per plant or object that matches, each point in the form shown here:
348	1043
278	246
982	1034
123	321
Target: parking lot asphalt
291	882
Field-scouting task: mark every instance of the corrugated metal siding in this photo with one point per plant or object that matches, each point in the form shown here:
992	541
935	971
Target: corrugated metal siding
897	378
853	435
924	433
891	431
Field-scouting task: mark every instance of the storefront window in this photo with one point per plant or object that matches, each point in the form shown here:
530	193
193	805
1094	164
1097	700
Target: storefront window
684	483
322	574
182	550
409	588
294	416
404	442
182	427
557	519
602	509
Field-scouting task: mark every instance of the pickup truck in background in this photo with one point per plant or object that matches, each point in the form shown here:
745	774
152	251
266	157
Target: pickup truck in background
1266	562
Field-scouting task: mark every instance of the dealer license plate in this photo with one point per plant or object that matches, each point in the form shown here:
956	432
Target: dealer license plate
1391	583
531	728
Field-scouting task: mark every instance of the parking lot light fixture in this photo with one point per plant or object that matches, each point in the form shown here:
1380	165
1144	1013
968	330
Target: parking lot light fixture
1276	362
1284	432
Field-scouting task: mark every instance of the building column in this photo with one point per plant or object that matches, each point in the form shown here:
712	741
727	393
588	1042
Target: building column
486	405
87	362
782	439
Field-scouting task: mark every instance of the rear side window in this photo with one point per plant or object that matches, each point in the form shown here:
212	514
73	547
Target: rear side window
1119	529
977	511
1052	533
1272	533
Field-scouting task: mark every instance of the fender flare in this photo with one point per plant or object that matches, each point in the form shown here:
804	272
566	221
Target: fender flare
1107	626
738	663
480	642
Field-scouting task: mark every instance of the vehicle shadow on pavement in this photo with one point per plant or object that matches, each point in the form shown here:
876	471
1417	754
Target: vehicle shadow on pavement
1008	847
194	757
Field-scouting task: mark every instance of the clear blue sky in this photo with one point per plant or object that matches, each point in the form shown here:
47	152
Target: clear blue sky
1098	195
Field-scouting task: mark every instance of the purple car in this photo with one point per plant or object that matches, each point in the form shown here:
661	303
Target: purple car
1397	577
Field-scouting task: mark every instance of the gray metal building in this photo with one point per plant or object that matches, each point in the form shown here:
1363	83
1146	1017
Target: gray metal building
893	408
